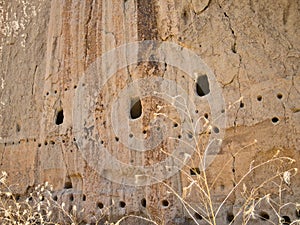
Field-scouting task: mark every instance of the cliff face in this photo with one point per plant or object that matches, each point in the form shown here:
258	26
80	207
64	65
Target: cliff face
58	105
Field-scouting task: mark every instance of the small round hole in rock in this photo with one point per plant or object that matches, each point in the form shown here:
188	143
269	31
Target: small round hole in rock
242	105
100	205
275	120
122	204
165	203
71	197
84	198
264	216
144	202
205	115
55	198
279	96
131	135
259	98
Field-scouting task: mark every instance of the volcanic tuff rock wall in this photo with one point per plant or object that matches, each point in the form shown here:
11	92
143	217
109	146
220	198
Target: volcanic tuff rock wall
251	46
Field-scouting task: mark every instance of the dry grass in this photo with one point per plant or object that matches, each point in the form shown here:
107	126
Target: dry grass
280	177
36	208
40	208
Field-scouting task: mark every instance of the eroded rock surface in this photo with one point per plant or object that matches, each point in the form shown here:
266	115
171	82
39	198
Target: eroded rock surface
47	47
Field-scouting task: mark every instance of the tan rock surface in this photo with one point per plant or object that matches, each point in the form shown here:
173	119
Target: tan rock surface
252	48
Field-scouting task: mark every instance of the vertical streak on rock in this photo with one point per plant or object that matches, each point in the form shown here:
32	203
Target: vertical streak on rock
148	12
92	32
147	24
73	43
147	30
118	28
53	64
52	61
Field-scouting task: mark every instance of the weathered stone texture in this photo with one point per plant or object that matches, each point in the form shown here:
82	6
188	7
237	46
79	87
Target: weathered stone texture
252	47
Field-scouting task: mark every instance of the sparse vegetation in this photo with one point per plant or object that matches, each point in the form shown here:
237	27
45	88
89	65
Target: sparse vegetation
36	208
253	197
253	194
40	207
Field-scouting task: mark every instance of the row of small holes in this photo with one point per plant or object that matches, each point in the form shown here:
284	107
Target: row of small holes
205	114
71	198
215	129
122	204
59	120
274	120
19	142
66	89
262	215
34	140
259	97
265	217
190	136
165	203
